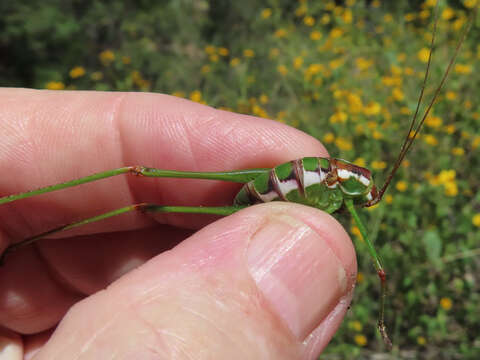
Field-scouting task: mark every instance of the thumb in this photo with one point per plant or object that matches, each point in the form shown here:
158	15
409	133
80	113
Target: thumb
271	281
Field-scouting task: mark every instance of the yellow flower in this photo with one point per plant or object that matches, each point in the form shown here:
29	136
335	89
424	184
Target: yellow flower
213	58
360	277
388	199
266	13
433	121
378	165
355	104
446	303
391	80
448	13
223	51
431	140
343	144
424	14
205	69
347	16
126	60
476	220
309	20
329	138
196	96
423	55
315	35
107	57
55	85
446	176
234	62
376	3
263	99
451	95
430	3
257	110
463	69
297	62
405	110
355	325
451	189
398	94
377	135
356	232
363	64
178	94
388	18
336	33
301	10
360	162
77	71
210	49
476	142
335	64
470	3
401	186
360	339
449	129
273	53
280	33
338	117
248	53
282	69
409	17
458	151
421	340
325	19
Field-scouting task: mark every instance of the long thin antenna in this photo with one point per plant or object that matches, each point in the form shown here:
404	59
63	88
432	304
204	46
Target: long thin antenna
410	139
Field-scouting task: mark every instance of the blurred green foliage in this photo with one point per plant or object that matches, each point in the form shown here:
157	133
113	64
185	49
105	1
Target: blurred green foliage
349	73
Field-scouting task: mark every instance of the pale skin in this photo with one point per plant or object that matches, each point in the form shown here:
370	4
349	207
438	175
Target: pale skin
272	281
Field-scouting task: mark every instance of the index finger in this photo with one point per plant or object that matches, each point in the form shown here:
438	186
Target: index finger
50	137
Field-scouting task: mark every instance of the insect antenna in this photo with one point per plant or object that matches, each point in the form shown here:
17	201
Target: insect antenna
409	139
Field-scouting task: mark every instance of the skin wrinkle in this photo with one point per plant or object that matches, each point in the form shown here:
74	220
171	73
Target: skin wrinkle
140	301
120	139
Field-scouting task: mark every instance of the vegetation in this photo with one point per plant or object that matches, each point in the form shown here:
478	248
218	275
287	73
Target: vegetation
349	73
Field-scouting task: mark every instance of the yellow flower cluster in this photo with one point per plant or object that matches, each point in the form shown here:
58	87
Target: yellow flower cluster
445	178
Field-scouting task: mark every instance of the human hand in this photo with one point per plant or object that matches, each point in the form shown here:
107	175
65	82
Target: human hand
271	281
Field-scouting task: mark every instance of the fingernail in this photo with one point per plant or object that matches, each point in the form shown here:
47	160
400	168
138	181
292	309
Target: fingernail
297	272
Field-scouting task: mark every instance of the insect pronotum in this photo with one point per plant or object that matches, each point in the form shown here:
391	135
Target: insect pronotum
324	183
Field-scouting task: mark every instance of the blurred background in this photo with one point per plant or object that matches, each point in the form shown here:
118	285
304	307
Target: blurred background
347	72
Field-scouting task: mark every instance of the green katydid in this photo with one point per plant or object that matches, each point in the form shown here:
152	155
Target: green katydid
328	184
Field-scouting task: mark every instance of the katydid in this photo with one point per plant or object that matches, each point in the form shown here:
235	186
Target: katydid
328	184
